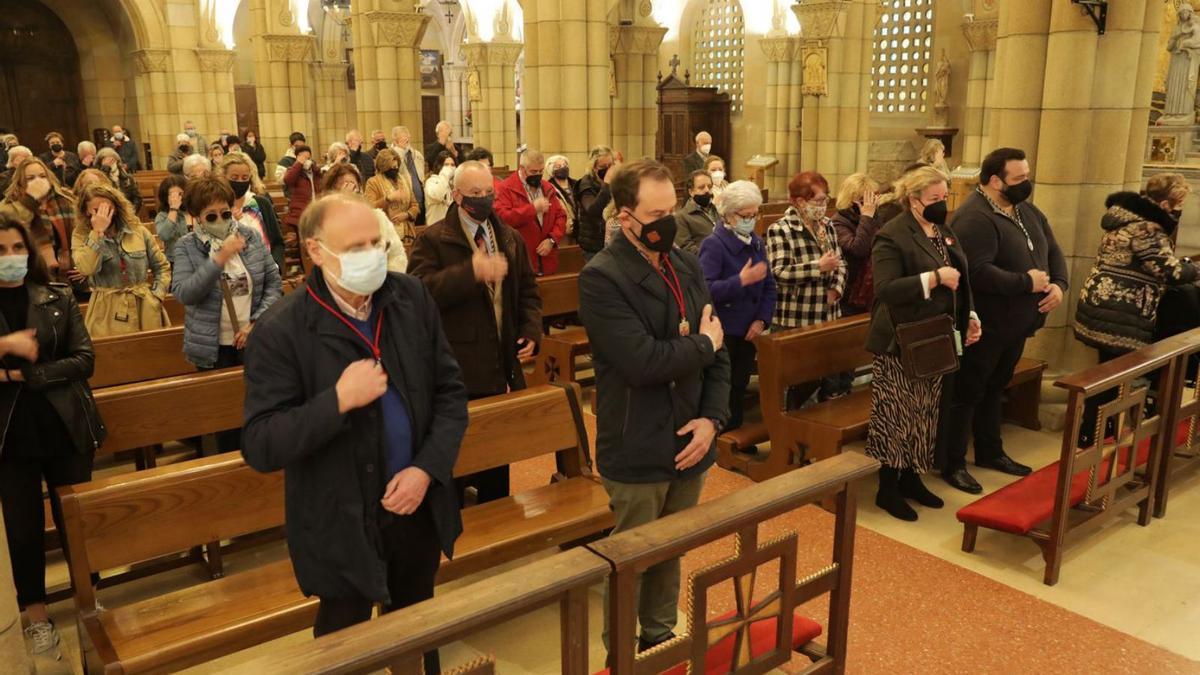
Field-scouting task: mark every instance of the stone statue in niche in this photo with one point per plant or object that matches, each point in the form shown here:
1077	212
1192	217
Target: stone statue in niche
474	90
1184	47
941	83
815	82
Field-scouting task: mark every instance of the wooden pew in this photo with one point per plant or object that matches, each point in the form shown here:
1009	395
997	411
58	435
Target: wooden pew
1183	405
1087	487
123	520
138	357
555	361
174	309
570	259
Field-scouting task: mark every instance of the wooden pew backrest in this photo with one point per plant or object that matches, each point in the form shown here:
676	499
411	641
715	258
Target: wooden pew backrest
801	355
150	413
138	357
560	294
525	424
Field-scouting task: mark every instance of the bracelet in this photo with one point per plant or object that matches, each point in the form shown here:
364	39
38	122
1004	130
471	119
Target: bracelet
937	278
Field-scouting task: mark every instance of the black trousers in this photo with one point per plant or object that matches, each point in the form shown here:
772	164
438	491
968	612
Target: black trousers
413	556
1091	407
228	357
741	366
24	516
977	406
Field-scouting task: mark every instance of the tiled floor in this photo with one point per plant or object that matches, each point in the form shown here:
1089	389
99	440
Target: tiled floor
919	605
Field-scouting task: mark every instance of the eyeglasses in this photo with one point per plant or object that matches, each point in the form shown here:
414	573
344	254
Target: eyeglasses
213	217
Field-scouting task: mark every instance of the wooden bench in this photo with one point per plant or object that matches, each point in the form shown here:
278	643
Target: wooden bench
138	357
555	361
570	259
1089	486
801	355
123	520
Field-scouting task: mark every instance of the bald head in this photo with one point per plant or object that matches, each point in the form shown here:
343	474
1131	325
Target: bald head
342	222
473	179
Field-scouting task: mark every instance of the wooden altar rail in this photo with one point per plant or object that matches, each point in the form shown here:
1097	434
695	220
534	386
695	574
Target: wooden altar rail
398	639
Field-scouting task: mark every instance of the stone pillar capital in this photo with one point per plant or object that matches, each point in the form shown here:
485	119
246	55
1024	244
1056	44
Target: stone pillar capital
492	53
152	60
397	29
290	47
981	34
330	71
215	60
635	39
819	18
780	49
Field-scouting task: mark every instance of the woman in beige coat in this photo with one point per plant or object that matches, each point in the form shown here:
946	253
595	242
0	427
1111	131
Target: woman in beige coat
390	191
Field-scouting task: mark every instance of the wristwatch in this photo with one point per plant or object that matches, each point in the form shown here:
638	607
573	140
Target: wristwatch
720	426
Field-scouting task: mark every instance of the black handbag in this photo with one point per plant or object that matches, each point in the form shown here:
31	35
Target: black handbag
929	347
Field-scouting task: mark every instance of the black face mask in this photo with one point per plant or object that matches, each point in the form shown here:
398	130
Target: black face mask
703	200
479	208
380	145
1015	194
936	213
1176	214
562	174
185	149
56	148
392	174
601	172
658	236
534	181
240	187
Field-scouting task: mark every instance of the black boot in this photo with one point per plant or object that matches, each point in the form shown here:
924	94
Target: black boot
889	498
912	488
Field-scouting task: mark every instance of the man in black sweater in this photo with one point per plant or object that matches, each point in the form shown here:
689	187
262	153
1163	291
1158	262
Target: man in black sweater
1018	276
662	375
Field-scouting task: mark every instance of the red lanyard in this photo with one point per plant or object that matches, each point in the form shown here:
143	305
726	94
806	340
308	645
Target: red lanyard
677	289
378	325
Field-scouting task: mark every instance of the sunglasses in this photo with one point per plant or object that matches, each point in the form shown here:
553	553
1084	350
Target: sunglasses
213	217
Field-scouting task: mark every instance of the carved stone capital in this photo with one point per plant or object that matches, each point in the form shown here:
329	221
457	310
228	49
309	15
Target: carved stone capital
215	60
635	39
397	29
819	18
781	49
492	53
152	60
330	71
290	47
981	34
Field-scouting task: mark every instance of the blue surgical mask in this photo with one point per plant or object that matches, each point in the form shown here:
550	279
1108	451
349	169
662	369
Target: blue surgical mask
363	272
744	226
13	268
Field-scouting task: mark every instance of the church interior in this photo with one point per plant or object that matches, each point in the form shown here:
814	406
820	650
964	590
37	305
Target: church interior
1078	567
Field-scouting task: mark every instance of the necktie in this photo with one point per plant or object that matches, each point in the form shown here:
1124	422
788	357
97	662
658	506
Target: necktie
418	189
480	239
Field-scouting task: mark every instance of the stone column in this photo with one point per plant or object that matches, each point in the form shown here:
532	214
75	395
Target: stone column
981	40
333	117
153	84
491	89
284	87
454	100
835	115
782	138
387	78
1078	103
633	92
218	103
567	105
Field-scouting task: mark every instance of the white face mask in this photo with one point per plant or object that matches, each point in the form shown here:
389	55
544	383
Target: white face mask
447	172
706	148
718	176
363	272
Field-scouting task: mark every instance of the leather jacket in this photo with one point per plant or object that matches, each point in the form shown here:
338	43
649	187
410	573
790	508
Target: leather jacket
65	362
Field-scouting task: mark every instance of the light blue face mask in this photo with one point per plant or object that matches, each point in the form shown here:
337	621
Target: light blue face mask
363	272
13	268
744	226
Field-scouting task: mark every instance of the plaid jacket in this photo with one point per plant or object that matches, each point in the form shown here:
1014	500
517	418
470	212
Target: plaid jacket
794	252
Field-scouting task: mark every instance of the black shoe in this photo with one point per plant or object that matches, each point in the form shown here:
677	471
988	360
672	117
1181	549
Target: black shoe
889	499
912	488
1005	464
748	450
645	646
960	479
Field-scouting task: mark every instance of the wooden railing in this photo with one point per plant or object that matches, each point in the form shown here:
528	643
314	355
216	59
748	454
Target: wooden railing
398	639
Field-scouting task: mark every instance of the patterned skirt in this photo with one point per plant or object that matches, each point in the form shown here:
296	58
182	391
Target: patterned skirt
904	416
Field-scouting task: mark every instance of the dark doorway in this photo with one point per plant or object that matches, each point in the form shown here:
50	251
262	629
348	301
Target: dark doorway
40	87
431	114
246	101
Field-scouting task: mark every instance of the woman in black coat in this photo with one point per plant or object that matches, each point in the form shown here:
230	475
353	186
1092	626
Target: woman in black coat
252	148
52	428
920	272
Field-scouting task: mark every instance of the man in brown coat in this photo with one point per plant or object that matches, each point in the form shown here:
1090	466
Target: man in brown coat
478	270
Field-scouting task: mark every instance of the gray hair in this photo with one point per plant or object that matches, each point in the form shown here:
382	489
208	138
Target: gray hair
739	195
105	153
352	132
439	126
179	138
399	129
87	146
553	161
469	165
599	152
335	147
531	157
193	160
18	150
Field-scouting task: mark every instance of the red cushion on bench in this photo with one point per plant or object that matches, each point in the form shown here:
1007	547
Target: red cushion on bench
1019	506
719	658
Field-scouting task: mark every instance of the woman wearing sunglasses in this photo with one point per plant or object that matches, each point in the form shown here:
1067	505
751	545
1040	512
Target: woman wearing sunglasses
225	277
116	254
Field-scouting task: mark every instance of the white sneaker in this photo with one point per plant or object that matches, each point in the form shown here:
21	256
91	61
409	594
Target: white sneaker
44	636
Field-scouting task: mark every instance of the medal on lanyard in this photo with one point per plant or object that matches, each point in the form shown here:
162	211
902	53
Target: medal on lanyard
685	327
373	346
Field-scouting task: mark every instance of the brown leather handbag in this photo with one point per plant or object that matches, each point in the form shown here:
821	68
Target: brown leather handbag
929	347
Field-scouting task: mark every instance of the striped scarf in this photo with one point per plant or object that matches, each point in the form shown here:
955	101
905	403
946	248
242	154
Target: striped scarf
59	219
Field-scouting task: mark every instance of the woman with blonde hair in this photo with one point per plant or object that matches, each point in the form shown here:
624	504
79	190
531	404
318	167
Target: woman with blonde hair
933	153
116	254
856	225
920	272
390	190
252	206
38	201
108	161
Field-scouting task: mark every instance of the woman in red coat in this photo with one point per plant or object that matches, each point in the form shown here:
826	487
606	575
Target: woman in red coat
529	204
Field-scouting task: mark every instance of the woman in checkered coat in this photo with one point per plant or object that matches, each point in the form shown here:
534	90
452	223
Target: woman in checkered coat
809	271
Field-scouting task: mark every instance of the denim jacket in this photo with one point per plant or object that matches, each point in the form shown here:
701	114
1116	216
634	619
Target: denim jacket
122	261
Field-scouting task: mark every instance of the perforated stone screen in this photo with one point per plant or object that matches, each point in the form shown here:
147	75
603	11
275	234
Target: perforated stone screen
903	43
719	49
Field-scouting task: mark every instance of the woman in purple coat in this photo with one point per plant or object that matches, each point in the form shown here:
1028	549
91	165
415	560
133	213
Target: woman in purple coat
734	260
